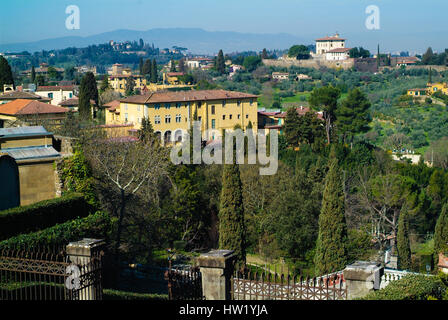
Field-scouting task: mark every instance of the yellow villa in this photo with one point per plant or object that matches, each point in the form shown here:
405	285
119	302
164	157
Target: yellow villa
171	113
437	87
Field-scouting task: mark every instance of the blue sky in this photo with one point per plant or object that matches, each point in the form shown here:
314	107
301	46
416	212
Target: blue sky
405	24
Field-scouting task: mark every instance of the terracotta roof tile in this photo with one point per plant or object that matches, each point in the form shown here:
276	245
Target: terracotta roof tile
55	88
26	107
185	96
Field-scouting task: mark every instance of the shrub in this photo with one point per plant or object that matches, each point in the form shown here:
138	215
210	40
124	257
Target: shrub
42	215
109	294
411	287
98	225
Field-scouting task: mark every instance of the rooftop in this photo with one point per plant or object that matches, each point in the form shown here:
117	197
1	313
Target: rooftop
21	95
23	131
55	88
182	96
28	107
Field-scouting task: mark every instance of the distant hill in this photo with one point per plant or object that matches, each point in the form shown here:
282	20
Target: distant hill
196	40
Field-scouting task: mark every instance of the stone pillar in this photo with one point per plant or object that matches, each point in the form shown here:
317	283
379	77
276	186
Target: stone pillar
362	277
217	269
80	254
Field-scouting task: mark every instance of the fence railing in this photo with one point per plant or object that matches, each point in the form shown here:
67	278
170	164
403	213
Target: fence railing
391	275
265	286
35	275
184	284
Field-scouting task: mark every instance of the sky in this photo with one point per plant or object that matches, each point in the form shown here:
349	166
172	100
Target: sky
411	25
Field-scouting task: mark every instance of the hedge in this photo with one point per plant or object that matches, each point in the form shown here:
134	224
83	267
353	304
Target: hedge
411	287
98	225
110	294
42	215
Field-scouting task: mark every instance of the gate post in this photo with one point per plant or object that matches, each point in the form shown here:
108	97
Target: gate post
217	270
82	253
362	277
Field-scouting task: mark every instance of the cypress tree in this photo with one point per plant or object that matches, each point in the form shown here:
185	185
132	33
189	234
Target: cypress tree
292	124
173	66
154	76
220	63
264	54
441	233
5	73
87	91
232	231
140	66
403	244
33	74
147	67
331	251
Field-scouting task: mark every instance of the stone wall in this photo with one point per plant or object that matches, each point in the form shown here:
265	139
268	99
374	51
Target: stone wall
310	63
37	181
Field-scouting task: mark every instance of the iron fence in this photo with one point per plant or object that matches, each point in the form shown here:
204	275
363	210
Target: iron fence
33	275
265	286
184	284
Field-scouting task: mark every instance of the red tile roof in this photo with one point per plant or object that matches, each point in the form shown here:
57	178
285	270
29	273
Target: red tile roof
338	50
184	96
113	105
73	102
55	88
331	38
27	107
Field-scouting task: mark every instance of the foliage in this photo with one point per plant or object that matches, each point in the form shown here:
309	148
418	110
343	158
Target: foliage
220	63
42	215
403	244
87	91
110	294
411	287
232	230
331	251
76	176
251	63
441	232
99	225
5	73
352	115
300	52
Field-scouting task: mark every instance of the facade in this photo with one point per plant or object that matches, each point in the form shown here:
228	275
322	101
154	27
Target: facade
437	87
172	113
119	76
337	54
57	94
280	76
29	112
417	92
32	150
172	78
326	44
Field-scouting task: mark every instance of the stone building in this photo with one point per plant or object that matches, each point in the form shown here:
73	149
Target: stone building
33	152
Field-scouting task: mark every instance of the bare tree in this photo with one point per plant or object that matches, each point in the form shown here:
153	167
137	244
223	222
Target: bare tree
128	165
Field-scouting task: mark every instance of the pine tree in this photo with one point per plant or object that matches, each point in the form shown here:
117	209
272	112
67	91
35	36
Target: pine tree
5	73
154	75
352	115
146	131
33	74
232	231
87	91
220	63
441	233
403	244
331	251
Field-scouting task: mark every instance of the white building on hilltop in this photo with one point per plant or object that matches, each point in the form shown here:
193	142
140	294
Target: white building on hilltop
326	44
